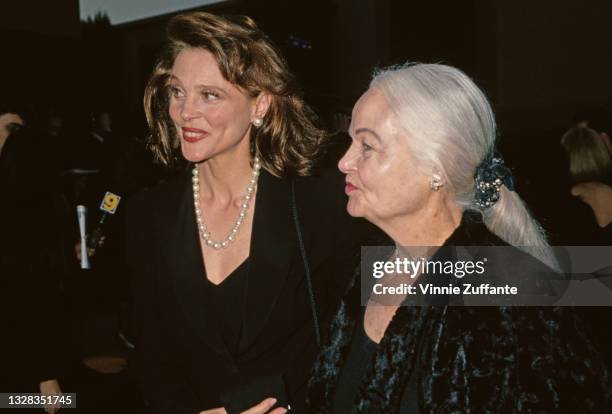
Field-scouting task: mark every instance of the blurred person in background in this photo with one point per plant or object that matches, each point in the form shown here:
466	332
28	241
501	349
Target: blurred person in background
9	122
36	331
590	169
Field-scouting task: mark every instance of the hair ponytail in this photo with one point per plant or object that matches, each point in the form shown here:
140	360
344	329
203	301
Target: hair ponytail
510	220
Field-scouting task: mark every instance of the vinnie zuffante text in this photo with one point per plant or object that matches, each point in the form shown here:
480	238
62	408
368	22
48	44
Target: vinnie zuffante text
404	267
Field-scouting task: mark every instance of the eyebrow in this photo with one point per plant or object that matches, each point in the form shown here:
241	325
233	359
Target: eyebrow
369	131
201	86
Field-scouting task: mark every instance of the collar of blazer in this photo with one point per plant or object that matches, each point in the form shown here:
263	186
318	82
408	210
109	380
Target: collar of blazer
273	244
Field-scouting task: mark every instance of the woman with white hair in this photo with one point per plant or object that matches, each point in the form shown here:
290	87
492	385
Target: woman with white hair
422	167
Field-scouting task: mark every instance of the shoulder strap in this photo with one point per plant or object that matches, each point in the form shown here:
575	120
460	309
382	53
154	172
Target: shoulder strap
311	296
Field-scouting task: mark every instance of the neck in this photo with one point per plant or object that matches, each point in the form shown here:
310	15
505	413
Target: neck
599	197
225	179
430	226
603	209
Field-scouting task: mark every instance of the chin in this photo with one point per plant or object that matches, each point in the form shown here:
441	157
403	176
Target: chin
194	154
194	159
353	209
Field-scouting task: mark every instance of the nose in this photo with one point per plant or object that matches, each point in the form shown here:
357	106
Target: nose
348	162
189	109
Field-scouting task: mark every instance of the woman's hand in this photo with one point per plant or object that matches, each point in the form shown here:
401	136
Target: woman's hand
264	406
261	408
105	364
90	251
220	410
51	388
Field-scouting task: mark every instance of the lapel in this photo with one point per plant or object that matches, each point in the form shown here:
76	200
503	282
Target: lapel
273	246
273	242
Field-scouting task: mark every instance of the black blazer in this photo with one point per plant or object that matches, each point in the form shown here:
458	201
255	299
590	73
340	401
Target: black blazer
182	361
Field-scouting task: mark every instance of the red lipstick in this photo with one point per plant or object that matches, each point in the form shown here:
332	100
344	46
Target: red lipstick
193	135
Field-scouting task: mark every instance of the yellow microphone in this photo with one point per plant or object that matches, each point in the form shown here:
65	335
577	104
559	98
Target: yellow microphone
109	205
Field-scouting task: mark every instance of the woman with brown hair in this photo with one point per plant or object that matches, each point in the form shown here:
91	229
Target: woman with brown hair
590	169
228	260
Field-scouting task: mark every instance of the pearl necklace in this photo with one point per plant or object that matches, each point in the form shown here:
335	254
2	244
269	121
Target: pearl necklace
241	216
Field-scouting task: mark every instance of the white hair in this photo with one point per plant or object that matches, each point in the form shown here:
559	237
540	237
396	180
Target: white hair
452	129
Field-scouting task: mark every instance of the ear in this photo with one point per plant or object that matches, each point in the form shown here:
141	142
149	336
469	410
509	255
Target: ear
262	104
575	191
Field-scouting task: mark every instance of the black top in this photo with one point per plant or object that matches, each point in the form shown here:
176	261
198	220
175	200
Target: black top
358	361
226	301
183	362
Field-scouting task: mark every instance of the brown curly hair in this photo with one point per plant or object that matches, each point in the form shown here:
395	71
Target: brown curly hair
290	140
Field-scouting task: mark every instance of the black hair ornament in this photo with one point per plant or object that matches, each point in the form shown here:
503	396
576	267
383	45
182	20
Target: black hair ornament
490	176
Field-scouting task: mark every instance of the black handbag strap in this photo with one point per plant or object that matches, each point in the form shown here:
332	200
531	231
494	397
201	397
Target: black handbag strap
311	296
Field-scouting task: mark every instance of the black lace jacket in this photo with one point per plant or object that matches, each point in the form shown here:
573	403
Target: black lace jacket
472	360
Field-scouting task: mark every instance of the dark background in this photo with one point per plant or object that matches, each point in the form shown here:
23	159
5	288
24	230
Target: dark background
539	62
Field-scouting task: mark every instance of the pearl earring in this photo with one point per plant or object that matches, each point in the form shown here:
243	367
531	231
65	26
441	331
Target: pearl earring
436	182
257	122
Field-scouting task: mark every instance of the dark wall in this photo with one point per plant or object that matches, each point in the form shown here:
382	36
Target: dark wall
40	47
39	70
56	17
538	61
553	57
